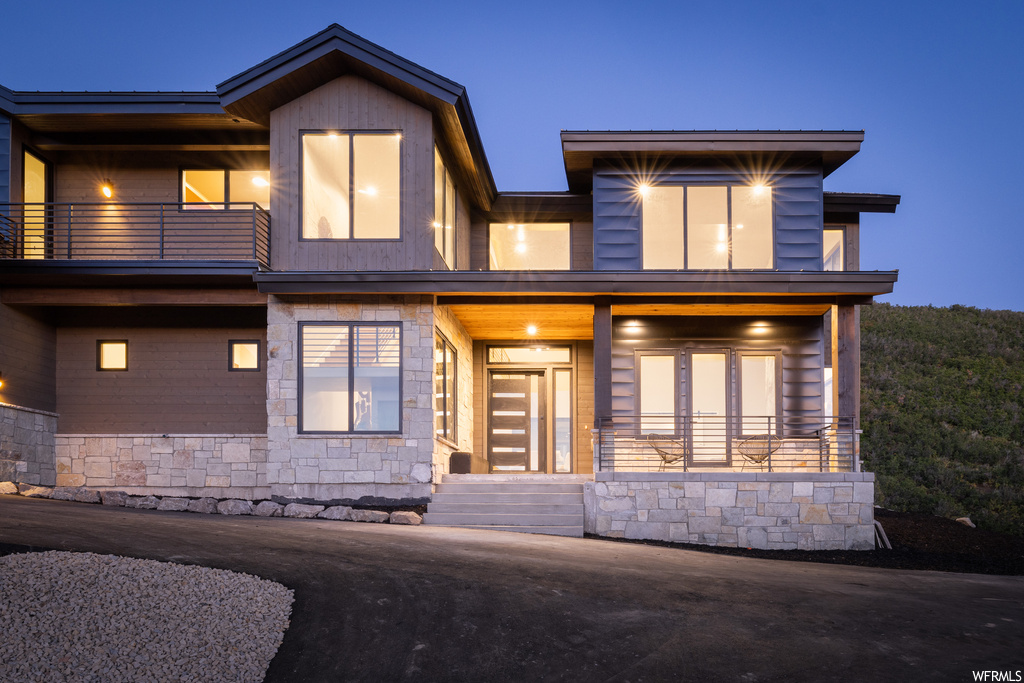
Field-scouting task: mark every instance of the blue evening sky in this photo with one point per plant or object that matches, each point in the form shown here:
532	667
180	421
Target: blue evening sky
938	87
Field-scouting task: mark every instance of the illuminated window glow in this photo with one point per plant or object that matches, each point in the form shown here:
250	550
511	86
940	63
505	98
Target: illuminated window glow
112	354
530	246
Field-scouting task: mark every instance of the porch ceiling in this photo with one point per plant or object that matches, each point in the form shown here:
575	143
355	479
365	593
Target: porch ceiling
510	322
720	309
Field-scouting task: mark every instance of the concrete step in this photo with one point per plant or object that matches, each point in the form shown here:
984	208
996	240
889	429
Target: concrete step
572	530
509	519
489	508
508	487
507	497
518	477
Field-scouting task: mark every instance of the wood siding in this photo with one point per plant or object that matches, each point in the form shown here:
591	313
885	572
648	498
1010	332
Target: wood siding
799	339
6	158
350	103
28	359
617	214
177	379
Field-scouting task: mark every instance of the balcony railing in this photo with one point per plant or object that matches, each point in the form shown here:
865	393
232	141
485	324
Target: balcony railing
135	231
683	443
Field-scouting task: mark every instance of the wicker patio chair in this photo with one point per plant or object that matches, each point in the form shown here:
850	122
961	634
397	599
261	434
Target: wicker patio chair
670	450
758	448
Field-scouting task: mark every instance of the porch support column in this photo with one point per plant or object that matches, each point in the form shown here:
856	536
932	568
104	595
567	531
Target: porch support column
847	372
602	358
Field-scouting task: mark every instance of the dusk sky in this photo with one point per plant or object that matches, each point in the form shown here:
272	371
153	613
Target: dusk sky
938	88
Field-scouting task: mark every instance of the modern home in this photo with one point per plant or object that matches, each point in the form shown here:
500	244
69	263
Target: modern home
305	286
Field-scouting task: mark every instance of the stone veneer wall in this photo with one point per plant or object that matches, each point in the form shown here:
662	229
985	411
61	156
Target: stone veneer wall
351	468
197	465
27	445
749	510
450	327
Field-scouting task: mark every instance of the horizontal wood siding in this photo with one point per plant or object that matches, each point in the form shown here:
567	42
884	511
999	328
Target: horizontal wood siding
28	360
350	103
617	214
177	379
800	340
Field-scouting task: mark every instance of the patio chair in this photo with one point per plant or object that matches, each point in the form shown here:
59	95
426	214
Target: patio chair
668	449
758	448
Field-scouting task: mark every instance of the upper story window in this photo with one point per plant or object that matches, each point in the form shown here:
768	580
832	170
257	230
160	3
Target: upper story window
707	227
210	188
444	212
529	246
351	185
833	257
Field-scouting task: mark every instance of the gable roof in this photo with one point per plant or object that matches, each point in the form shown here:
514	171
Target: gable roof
334	52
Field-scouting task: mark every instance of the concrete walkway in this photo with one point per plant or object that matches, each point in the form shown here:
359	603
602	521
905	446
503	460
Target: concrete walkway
378	602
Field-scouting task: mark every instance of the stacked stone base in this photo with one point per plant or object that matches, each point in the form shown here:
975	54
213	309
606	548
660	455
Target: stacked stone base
784	511
26	445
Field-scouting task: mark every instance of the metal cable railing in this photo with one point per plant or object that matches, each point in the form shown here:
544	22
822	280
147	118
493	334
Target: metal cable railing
774	443
135	231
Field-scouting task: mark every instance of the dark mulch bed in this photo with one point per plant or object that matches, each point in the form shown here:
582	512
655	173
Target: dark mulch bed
918	542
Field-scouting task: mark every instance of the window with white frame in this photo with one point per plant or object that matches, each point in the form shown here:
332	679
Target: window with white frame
351	377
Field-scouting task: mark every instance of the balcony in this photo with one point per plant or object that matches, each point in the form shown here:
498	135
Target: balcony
135	232
711	443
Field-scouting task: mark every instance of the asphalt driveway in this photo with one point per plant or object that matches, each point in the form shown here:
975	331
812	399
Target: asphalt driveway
391	603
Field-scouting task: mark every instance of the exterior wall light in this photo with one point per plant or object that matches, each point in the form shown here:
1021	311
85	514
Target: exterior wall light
531	330
107	188
1	380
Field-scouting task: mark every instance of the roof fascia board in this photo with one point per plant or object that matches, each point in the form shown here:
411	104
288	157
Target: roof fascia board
850	202
25	103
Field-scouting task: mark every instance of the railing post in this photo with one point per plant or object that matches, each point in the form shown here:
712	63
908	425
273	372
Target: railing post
595	442
254	256
161	248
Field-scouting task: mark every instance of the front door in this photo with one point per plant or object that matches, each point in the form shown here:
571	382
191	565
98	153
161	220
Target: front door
517	431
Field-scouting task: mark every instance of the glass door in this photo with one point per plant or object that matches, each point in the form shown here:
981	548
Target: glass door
35	194
709	393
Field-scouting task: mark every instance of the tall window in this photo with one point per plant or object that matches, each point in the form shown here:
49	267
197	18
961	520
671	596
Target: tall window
657	393
351	185
832	249
209	188
758	393
707	227
445	412
529	246
351	377
444	212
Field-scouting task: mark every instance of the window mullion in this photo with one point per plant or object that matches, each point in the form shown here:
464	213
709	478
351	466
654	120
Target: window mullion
350	404
351	185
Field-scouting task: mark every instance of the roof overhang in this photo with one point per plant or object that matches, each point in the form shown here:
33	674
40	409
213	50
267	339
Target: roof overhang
581	283
855	202
335	52
650	149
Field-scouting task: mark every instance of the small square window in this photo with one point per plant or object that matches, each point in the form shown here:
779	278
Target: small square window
244	354
112	354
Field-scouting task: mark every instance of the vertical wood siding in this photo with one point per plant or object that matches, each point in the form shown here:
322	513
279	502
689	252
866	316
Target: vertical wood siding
617	215
177	379
350	103
28	360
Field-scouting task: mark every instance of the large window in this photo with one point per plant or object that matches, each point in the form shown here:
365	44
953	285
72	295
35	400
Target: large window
707	227
529	246
445	412
210	188
444	212
351	377
759	393
657	393
351	185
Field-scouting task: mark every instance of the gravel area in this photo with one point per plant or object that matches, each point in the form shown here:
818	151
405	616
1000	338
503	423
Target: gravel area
87	617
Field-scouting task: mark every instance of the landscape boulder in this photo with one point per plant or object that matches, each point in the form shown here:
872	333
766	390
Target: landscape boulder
64	493
84	495
370	516
269	508
173	504
30	491
234	507
8	488
115	498
337	513
142	502
405	517
302	511
206	506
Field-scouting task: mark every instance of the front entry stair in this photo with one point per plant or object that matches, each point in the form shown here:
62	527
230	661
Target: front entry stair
529	503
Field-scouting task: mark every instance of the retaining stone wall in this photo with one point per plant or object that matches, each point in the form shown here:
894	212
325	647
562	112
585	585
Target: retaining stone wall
354	469
213	465
27	445
751	510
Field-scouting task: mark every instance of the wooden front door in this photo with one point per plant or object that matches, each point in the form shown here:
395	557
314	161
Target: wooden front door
517	431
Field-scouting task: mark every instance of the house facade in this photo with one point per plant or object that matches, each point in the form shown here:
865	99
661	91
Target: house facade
306	286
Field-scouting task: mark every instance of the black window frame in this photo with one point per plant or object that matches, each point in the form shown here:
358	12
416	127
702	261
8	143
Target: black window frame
99	355
352	325
231	355
350	134
447	433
